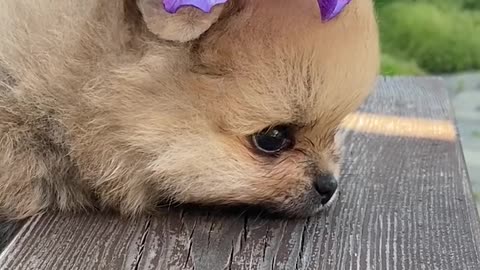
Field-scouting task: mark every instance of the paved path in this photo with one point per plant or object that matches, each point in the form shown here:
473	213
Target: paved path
465	94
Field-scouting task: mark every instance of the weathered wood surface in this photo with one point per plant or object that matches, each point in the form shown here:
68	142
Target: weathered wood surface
406	203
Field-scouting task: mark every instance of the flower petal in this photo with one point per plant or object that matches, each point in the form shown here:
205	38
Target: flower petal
331	8
172	6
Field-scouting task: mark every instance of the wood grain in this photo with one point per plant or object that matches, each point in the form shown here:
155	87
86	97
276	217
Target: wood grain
406	203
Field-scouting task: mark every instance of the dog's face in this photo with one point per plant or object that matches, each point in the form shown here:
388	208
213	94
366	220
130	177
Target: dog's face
250	109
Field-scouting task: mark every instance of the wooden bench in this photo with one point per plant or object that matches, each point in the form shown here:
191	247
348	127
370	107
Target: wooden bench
406	203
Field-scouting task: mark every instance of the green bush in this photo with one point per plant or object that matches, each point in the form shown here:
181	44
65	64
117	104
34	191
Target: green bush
396	66
471	4
440	40
444	4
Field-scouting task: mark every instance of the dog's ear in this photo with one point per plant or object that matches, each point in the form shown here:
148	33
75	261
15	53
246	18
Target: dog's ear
188	23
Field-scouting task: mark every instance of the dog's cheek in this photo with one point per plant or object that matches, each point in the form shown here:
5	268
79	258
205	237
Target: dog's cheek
283	180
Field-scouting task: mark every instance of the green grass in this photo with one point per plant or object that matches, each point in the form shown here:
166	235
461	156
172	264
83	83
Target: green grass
476	196
395	66
432	36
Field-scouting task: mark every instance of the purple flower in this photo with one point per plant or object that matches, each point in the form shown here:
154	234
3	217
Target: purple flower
331	8
172	6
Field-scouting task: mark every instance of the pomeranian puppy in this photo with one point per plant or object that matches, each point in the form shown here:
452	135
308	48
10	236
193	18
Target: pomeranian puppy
118	104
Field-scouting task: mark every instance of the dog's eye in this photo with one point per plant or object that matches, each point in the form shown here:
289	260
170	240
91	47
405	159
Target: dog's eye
274	140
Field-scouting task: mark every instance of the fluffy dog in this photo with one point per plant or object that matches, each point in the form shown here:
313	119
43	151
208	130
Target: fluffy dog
117	104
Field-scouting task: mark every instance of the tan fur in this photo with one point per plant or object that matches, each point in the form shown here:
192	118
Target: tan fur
97	109
187	24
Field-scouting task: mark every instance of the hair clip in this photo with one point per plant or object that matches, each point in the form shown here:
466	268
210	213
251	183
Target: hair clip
172	6
331	8
328	8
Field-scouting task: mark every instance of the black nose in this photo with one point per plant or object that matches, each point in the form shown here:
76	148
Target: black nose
326	185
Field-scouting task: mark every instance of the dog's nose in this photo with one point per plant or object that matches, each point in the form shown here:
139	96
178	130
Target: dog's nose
326	185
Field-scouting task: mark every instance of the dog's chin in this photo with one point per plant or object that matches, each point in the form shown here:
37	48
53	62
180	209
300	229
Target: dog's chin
309	206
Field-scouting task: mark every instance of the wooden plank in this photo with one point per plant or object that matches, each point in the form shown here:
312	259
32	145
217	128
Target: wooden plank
8	230
406	203
75	242
410	97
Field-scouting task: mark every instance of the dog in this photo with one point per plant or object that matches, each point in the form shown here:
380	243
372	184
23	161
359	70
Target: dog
118	104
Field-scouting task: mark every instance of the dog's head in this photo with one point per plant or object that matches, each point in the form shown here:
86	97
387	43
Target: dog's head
242	105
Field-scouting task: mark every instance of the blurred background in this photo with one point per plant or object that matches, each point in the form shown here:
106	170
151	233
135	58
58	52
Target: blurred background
439	37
